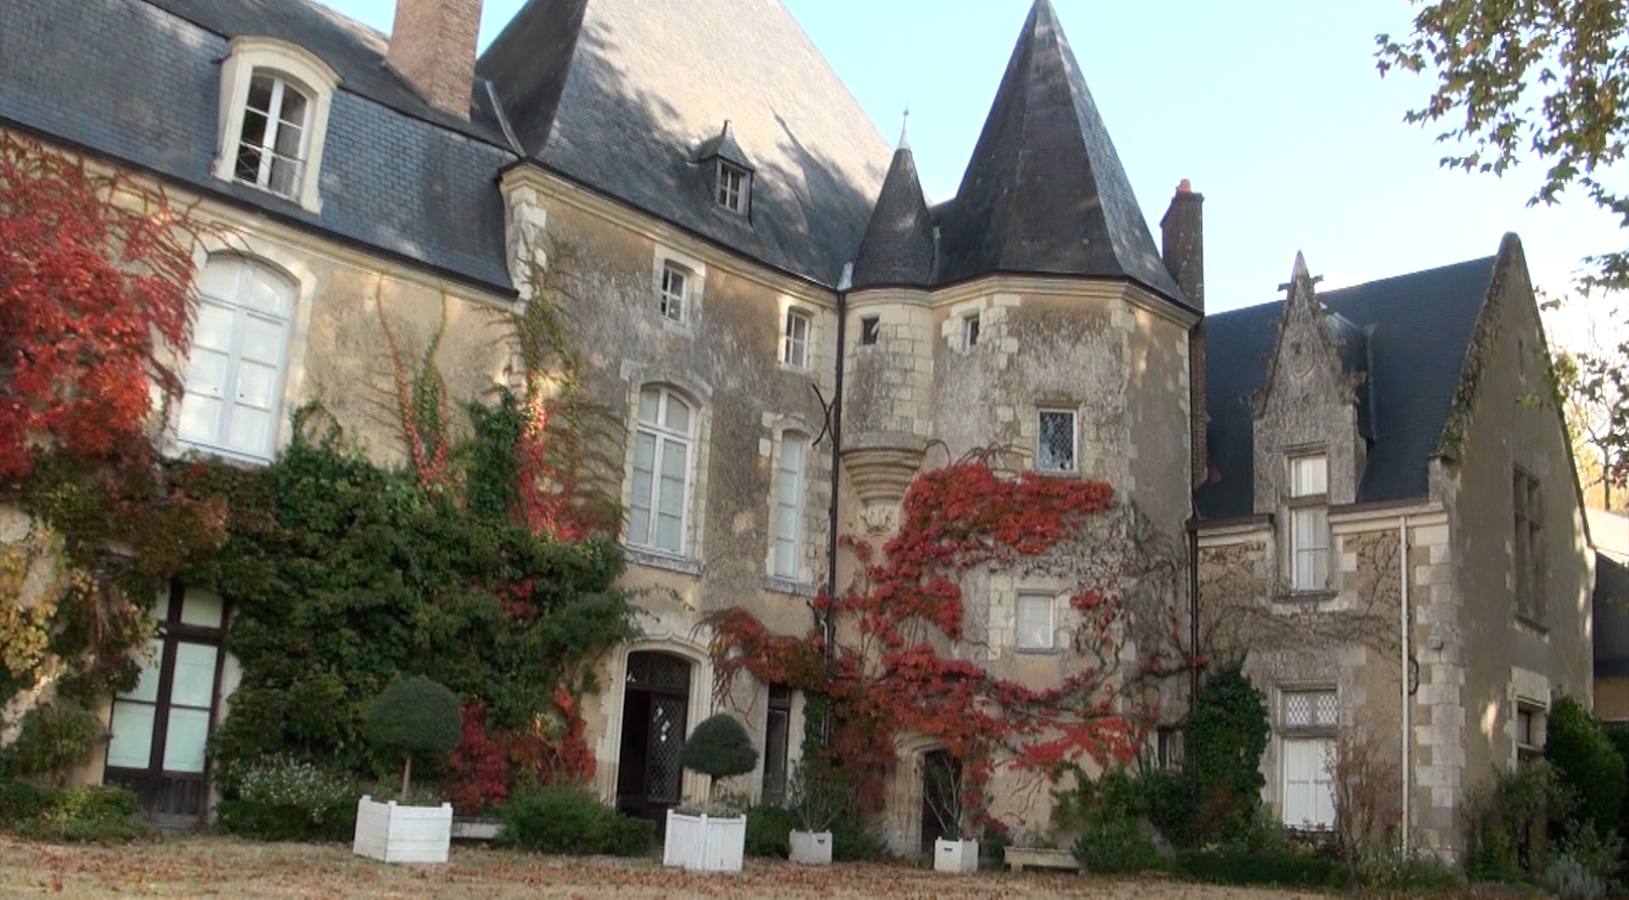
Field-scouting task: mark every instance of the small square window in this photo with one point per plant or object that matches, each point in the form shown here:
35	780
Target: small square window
733	185
870	326
1055	441
970	331
1311	709
1309	475
671	301
1035	626
795	340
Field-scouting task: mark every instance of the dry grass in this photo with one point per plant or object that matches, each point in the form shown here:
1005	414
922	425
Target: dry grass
225	867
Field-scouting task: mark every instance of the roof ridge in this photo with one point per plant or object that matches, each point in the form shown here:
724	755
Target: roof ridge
1352	287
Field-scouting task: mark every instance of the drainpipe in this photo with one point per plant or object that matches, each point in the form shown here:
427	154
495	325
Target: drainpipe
1403	631
828	621
1193	611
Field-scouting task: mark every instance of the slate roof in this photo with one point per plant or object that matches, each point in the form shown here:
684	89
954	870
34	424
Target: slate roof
618	95
898	248
139	81
1417	328
1611	633
1045	192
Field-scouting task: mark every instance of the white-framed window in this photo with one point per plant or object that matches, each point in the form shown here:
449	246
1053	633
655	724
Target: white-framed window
672	294
1056	440
1036	624
970	331
1308	798
1309	522
795	339
274	104
789	491
238	359
734	184
664	446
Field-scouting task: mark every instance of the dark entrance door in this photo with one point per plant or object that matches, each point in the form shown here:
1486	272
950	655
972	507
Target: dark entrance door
655	702
161	726
941	779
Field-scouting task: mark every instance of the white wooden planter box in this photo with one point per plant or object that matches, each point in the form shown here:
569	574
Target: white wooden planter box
704	843
392	833
957	857
811	848
1020	858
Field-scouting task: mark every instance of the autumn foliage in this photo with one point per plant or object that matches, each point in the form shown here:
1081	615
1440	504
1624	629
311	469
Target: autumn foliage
897	669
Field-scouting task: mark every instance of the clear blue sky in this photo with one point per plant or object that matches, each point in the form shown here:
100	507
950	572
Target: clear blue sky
1272	108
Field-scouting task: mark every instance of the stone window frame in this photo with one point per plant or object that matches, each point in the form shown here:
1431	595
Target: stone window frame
695	288
971	325
1537	728
251	55
870	331
699	393
1051	599
1527	541
811	317
1317	729
815	477
800	510
1294	503
1074	412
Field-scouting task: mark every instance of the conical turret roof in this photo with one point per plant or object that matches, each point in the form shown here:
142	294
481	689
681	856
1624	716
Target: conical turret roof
898	244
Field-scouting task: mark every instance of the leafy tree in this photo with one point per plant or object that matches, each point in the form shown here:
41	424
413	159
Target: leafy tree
719	748
1587	763
1596	397
414	716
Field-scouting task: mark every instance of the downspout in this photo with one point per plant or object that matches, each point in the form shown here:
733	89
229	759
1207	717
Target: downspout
827	621
1404	643
1193	612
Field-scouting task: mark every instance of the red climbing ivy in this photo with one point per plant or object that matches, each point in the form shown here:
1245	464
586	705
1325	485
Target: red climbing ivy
896	669
484	766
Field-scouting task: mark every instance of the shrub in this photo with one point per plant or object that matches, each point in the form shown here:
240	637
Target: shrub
769	830
853	841
820	794
1284	867
1586	761
1221	768
20	800
1388	871
1570	879
1507	823
54	738
719	748
1108	814
414	716
95	814
284	800
565	819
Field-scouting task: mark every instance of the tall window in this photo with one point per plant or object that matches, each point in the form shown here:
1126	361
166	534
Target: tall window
777	732
1309	522
1529	730
1036	627
272	145
1308	720
732	187
970	331
789	503
795	340
235	369
675	281
1055	440
869	327
1528	553
658	511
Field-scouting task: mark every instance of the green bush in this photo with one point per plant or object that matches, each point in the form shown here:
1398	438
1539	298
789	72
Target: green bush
1392	872
719	748
286	800
415	716
54	738
1507	823
20	800
1108	814
1586	761
95	814
769	830
571	820
1569	879
1285	867
1215	797
853	841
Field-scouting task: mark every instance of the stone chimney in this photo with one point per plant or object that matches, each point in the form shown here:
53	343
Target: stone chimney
433	45
1182	244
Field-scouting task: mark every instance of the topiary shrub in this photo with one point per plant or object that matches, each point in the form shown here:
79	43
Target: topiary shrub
54	738
1586	762
572	820
719	748
414	716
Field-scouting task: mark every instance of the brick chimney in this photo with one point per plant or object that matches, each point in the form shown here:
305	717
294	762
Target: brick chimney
1182	244
433	44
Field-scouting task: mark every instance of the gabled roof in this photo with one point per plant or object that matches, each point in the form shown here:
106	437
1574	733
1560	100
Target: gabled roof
723	146
617	95
1416	330
1045	193
898	248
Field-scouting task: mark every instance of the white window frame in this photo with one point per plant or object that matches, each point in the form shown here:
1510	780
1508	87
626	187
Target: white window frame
241	313
667	298
797	509
1074	439
294	65
664	436
1319	749
1046	601
281	88
803	346
970	332
1309	505
734	187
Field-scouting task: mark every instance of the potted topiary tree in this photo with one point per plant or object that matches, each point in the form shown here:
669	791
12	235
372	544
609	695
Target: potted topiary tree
412	717
713	838
820	795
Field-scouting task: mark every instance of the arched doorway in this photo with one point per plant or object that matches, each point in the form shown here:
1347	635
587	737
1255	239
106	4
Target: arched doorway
655	703
941	805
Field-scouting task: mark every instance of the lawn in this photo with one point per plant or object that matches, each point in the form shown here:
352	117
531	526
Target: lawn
219	866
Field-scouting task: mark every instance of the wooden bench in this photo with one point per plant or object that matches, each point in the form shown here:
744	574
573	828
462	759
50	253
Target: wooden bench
1019	857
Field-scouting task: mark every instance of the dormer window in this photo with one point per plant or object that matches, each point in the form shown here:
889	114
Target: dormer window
272	145
1309	522
274	104
734	185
